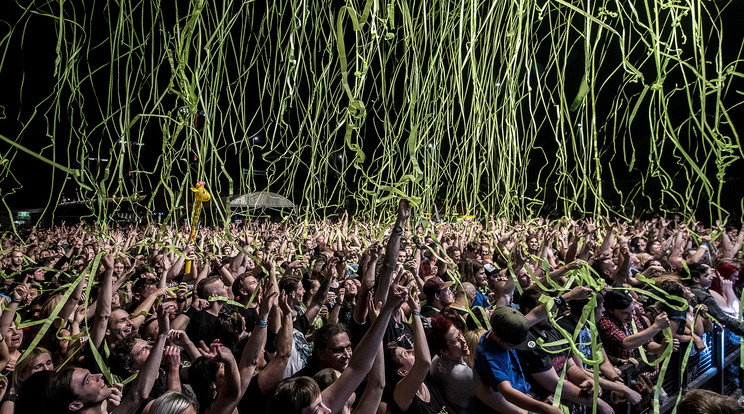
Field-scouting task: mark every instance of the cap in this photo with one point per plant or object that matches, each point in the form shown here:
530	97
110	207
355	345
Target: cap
490	269
435	285
510	326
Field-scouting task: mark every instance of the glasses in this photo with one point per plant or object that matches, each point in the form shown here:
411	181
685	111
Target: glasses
341	349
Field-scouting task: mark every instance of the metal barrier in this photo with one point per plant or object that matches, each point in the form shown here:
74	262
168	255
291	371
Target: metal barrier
715	368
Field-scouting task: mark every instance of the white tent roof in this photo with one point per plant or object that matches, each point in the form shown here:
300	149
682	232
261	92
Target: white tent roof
261	199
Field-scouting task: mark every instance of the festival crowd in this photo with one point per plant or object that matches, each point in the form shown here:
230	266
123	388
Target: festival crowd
362	317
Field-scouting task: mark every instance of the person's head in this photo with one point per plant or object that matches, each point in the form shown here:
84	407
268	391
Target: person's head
213	286
620	304
503	290
446	340
143	288
128	356
118	268
119	325
654	248
230	325
205	377
297	395
438	292
638	245
708	402
469	290
509	327
533	243
485	251
16	258
172	402
333	347
529	300
14	337
311	287
351	289
398	362
74	389
454	253
726	271
576	307
673	288
244	286
524	278
292	286
27	399
701	275
472	271
472	250
605	268
35	360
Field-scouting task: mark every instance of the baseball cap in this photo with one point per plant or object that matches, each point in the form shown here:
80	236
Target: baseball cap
510	326
435	285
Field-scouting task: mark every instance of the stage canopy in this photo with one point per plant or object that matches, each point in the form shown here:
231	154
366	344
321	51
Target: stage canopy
261	200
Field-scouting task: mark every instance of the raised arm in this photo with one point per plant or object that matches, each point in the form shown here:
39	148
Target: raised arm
255	345
274	371
338	393
149	373
228	394
103	307
410	384
391	251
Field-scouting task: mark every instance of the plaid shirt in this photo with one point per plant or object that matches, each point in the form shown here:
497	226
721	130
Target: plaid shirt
613	332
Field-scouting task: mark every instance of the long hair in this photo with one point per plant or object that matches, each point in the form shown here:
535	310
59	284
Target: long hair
25	365
202	373
293	394
58	393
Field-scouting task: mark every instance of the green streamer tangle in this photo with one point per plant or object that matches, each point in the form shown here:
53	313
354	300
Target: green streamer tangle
514	108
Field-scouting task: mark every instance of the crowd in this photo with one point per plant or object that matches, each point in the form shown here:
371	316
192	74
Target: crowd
362	317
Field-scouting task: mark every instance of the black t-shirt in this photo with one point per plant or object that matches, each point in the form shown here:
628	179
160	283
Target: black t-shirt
429	311
537	360
253	401
436	404
202	326
400	332
250	315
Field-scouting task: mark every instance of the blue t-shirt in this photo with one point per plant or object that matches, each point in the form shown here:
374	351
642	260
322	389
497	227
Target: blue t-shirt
495	365
480	300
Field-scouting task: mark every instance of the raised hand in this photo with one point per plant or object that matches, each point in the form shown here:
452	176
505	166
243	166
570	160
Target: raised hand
172	358
404	209
179	338
20	293
283	304
662	321
116	393
209	352
268	299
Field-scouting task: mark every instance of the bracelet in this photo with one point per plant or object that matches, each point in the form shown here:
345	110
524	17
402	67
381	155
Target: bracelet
703	244
558	301
418	314
261	323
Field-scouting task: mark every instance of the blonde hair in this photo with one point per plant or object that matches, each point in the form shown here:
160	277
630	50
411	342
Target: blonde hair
26	364
472	337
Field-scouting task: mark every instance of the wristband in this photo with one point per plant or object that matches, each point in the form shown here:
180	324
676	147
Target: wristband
703	244
558	301
261	323
418	314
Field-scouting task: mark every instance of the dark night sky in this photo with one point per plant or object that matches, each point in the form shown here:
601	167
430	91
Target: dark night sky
30	68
